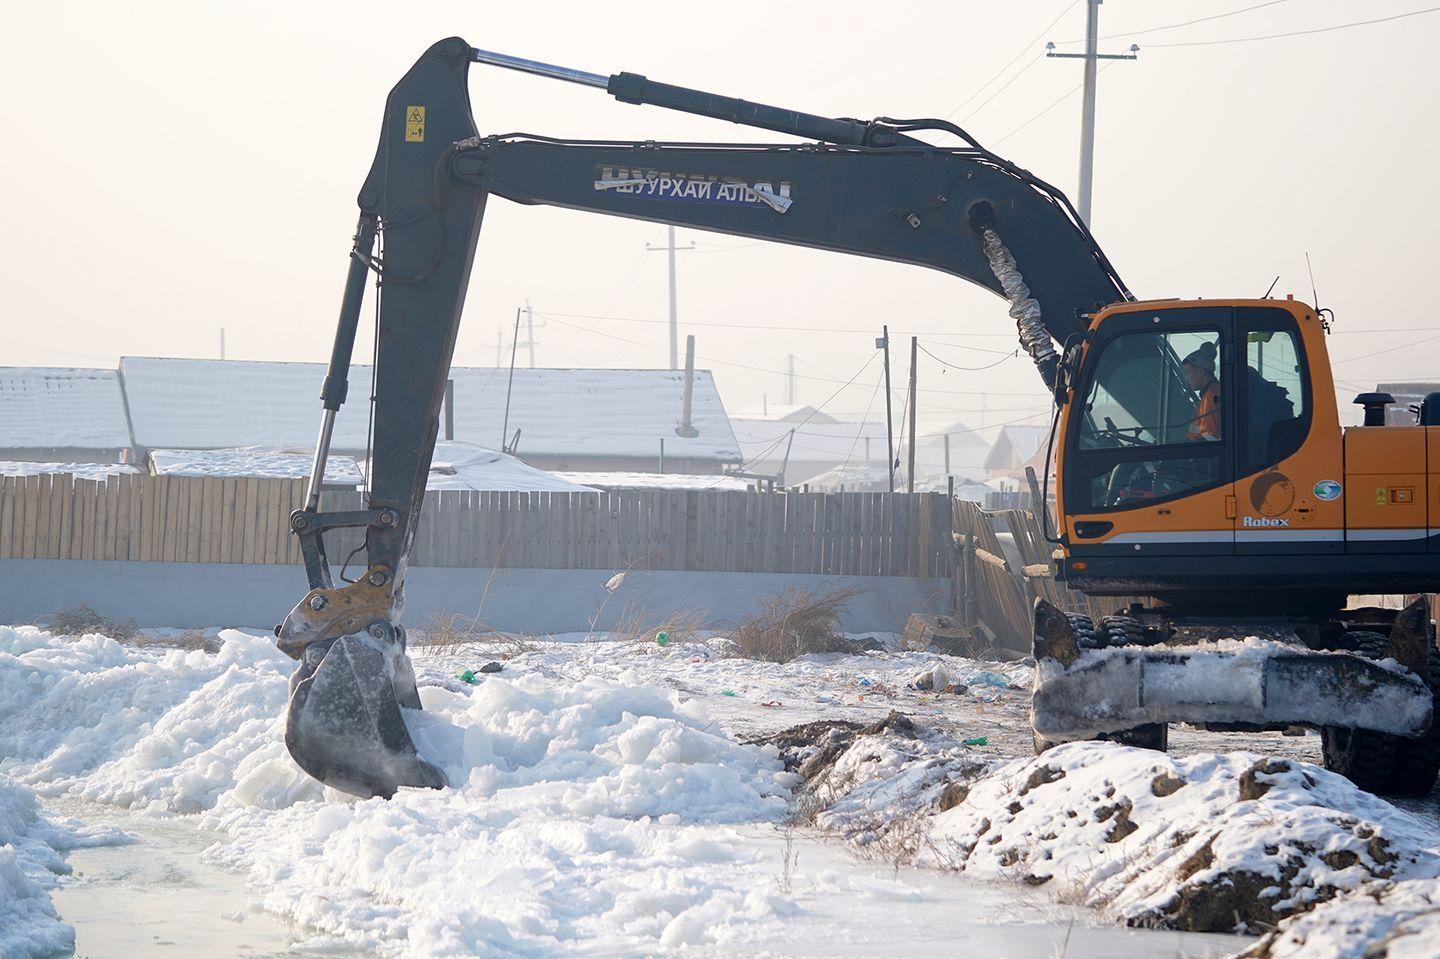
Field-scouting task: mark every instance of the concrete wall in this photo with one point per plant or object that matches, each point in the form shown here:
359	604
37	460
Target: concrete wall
518	600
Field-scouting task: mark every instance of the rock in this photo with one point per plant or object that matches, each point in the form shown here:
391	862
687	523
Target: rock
945	633
491	667
1166	784
1251	787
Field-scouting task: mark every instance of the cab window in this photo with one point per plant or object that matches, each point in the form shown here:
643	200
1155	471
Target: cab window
1152	425
1274	397
1134	400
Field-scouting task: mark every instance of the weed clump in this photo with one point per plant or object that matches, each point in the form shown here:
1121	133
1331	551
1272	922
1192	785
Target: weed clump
82	618
795	623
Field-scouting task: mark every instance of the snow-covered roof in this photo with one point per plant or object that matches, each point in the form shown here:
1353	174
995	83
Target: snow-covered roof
457	465
784	413
1015	445
89	471
339	470
54	408
655	481
208	404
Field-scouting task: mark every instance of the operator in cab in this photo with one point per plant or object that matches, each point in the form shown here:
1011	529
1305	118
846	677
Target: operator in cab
1199	369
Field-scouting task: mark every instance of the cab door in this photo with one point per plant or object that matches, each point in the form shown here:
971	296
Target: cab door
1287	490
1150	457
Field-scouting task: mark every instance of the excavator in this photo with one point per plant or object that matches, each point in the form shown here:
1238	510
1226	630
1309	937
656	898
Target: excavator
1200	463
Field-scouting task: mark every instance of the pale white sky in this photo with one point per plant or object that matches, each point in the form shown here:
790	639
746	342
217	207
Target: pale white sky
175	168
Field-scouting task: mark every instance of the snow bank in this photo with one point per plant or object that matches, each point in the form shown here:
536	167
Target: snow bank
30	847
1209	842
597	810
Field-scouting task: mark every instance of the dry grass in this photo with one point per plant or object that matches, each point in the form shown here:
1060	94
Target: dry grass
82	618
795	623
687	624
451	634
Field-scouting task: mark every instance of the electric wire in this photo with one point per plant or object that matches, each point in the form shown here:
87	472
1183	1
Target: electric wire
1172	26
969	369
1023	50
745	466
1059	100
1299	33
864	421
773	372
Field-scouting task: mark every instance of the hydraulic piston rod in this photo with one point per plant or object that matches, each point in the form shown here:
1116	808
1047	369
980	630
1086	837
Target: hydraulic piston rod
539	69
635	88
337	377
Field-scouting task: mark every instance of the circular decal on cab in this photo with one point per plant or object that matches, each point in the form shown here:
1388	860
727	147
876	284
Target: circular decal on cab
1272	493
1328	490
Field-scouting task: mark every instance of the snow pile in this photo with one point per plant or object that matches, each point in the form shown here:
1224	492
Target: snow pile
580	814
467	466
164	730
30	861
1392	921
597	810
1209	842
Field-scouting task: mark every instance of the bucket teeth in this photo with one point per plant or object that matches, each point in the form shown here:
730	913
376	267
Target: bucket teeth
1054	635
1410	639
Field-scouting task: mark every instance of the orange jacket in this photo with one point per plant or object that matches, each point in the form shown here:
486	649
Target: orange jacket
1206	424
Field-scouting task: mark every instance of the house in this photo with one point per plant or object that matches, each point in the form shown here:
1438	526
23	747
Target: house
57	415
821	446
600	420
1014	447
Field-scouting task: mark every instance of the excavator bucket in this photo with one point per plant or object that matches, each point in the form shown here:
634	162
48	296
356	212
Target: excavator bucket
345	726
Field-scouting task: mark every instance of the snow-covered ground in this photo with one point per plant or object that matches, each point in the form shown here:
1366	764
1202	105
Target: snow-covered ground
608	800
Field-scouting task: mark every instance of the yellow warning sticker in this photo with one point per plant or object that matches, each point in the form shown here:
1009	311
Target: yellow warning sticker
414	124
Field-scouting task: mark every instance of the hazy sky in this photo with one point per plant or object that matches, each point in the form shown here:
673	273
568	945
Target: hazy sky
176	168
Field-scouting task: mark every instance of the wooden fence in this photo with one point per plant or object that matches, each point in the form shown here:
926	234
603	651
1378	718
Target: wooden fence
994	591
193	520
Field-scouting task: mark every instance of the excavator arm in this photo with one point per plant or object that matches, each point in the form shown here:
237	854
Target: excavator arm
865	188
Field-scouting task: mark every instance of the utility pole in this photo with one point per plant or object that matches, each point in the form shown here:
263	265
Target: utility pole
883	343
671	248
790	382
1087	111
510	387
530	331
914	355
222	342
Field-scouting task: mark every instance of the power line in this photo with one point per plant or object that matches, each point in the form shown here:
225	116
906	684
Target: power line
1030	43
1299	33
1059	100
970	369
1402	346
769	328
1187	23
864	420
744	467
761	369
1003	87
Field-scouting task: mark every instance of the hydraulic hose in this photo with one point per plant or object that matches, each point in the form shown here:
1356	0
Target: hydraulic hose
1023	307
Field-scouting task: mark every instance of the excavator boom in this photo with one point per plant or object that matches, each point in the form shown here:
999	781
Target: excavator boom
866	188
